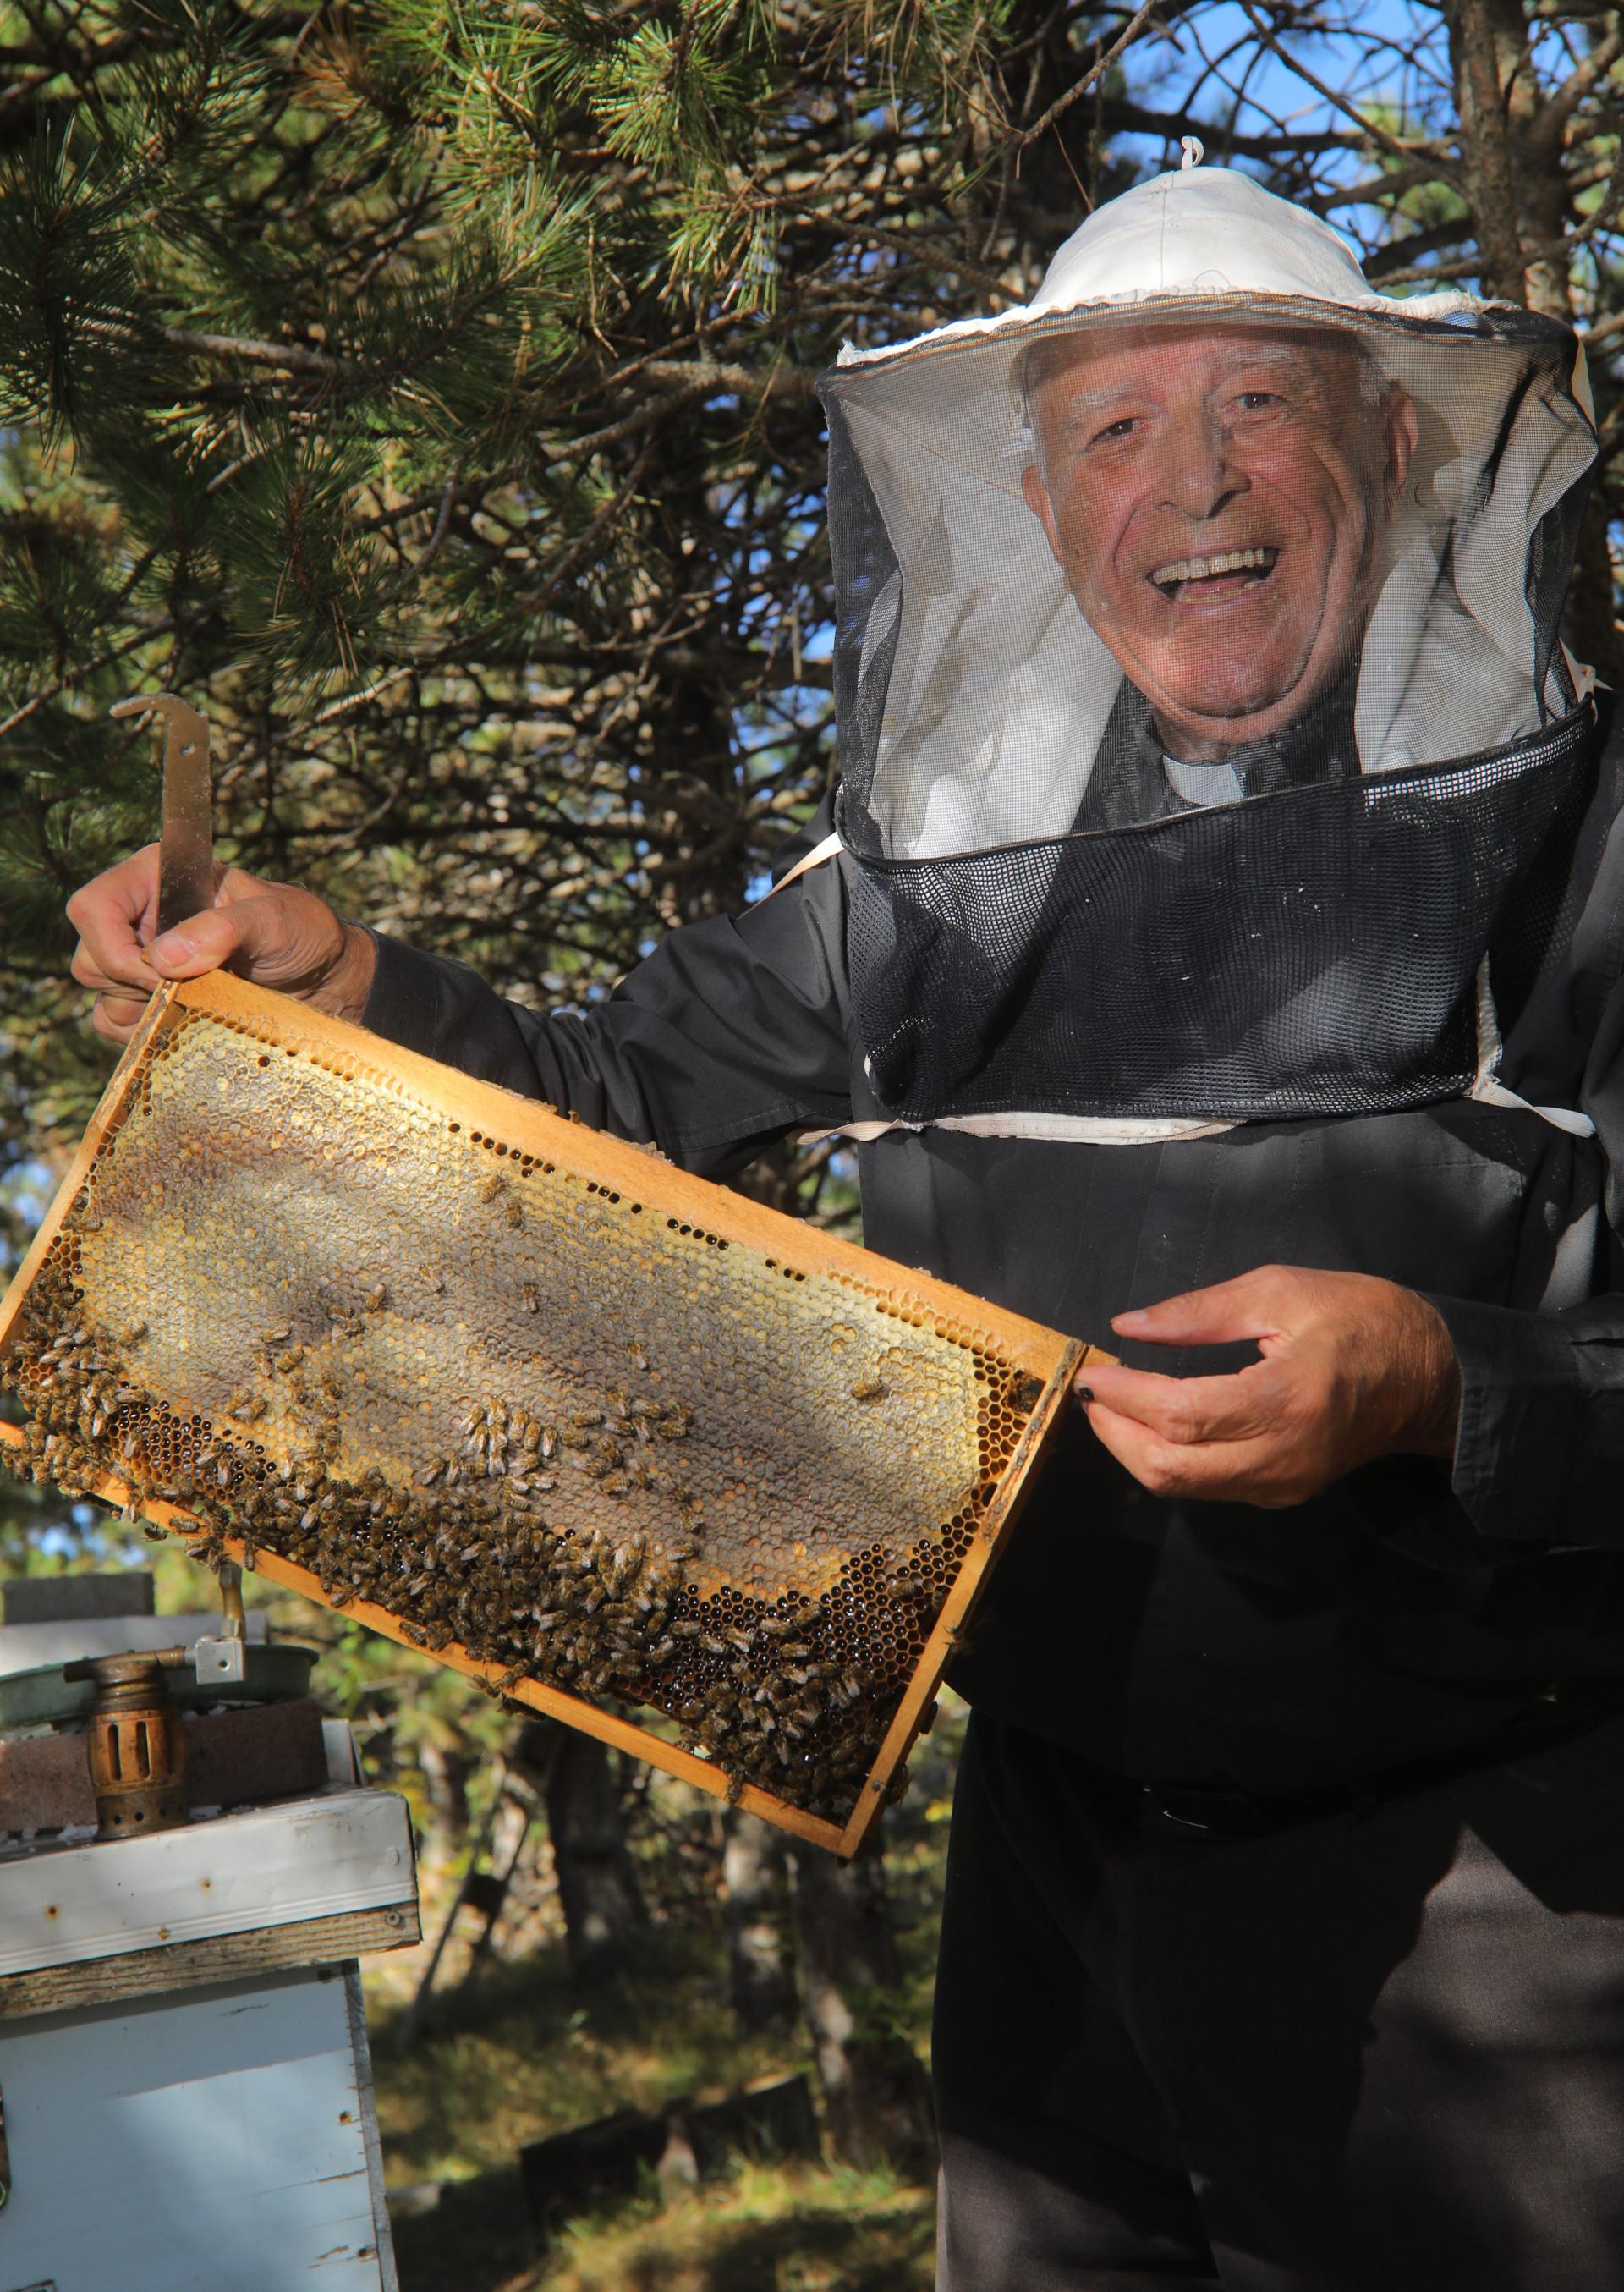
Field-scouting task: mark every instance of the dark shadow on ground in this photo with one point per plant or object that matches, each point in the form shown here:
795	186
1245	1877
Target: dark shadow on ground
478	2237
478	2240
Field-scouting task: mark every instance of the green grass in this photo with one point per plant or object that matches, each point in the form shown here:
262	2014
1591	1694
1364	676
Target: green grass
765	2228
789	2229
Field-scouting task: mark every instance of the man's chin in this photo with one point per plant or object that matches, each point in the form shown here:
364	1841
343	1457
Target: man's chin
1218	723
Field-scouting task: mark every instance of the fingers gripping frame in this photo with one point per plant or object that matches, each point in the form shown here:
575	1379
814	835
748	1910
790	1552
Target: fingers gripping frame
695	1478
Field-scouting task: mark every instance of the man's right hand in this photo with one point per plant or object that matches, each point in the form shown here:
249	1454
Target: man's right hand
273	933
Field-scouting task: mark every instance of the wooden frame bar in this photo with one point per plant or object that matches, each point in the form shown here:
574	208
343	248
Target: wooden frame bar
1041	1352
109	1111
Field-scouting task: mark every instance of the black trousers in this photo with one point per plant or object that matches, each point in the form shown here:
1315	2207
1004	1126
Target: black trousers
1378	2053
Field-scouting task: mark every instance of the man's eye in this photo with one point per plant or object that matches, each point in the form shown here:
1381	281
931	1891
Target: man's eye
1124	427
1258	401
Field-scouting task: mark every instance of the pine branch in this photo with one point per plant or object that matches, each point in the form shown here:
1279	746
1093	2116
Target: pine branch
1104	59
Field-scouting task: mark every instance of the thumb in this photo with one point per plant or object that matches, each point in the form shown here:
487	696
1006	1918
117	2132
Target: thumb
203	942
1249	1306
279	936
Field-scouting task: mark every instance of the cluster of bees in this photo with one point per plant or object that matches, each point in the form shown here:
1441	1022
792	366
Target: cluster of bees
793	1694
610	1445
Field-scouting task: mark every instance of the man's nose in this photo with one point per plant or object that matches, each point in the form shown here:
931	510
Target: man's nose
1197	474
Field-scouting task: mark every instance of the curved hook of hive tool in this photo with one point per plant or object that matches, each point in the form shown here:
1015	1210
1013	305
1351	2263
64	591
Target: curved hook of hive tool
186	844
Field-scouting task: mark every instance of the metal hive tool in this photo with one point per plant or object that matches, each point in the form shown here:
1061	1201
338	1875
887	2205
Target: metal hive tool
698	1479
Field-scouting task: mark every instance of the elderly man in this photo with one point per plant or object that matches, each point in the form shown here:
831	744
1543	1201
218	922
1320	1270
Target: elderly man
1224	858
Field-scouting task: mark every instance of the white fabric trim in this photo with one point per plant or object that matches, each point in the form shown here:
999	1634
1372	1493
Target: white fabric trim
1489	1043
815	858
1089	1129
1203	784
1488	1090
1585	678
1075	1129
859	1133
1101	1130
1560	1118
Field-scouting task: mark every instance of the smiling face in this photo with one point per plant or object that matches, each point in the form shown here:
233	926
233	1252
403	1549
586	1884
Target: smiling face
1216	503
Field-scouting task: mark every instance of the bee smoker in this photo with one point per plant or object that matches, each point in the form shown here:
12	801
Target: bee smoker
135	1744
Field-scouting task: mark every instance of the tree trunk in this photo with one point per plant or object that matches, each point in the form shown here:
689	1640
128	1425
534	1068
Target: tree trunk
446	1785
1487	41
598	1887
1518	187
1588	623
876	2100
761	1975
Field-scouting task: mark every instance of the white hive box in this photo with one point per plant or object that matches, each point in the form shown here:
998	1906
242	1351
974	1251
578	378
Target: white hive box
184	2073
215	2140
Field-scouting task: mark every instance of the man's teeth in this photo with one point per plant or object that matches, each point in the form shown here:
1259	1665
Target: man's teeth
1204	569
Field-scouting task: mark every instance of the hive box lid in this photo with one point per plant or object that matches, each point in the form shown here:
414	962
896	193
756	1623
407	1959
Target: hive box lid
264	1867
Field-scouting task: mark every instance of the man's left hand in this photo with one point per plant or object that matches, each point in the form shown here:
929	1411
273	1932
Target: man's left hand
1352	1368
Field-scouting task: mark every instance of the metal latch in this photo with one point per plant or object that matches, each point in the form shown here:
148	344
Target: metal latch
218	1662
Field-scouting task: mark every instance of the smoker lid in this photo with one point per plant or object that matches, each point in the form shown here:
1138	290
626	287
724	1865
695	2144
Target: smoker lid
45	1697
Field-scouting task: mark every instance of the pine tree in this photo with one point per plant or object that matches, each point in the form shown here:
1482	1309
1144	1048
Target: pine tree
425	390
428	394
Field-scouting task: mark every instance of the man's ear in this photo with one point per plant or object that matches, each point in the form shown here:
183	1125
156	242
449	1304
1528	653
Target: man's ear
1403	434
1039	502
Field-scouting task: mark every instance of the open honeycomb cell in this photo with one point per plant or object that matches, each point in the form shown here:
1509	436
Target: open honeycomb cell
574	1419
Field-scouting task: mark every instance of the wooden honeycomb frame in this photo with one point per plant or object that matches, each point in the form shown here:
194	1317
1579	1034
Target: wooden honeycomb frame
1041	1354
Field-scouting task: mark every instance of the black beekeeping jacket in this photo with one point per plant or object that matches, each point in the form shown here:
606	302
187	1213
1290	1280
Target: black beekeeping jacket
1393	1616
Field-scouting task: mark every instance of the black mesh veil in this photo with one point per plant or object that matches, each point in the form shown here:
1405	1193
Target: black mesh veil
1312	952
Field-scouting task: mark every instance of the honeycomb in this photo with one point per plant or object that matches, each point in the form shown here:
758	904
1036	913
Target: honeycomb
530	1413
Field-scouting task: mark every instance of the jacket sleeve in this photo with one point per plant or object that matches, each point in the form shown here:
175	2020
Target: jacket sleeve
1540	1456
733	1032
